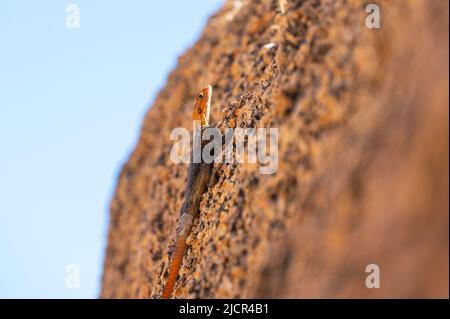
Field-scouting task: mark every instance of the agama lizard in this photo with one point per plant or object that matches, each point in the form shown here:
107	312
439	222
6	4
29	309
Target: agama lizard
197	180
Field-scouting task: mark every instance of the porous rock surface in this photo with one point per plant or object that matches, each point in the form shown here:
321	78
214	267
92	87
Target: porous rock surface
362	158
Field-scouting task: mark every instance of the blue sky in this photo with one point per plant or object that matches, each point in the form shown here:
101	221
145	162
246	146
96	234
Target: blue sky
71	105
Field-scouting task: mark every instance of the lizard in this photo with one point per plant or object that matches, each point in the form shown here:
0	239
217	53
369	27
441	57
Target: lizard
197	180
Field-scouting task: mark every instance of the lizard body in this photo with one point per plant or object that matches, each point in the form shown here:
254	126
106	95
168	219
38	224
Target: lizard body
197	180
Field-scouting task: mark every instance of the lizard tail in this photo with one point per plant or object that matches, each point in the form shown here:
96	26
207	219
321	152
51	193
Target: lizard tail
177	258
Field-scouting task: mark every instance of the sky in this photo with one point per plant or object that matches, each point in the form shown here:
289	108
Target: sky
72	100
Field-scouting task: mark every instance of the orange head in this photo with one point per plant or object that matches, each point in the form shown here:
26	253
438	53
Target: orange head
202	106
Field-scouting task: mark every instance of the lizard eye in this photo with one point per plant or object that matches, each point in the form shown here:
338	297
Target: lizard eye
200	95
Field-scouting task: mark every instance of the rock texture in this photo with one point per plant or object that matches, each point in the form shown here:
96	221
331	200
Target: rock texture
363	158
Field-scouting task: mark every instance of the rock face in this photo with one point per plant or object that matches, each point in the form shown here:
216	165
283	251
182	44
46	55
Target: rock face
363	157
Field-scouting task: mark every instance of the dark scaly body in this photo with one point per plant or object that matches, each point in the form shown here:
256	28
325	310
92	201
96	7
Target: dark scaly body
197	180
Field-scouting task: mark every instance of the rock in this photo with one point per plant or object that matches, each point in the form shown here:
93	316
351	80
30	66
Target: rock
363	159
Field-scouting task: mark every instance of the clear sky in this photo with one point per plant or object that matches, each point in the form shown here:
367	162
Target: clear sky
71	105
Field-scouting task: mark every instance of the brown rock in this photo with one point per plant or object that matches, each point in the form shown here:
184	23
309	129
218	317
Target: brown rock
363	159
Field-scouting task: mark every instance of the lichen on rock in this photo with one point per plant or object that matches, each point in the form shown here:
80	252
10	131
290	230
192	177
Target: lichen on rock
362	158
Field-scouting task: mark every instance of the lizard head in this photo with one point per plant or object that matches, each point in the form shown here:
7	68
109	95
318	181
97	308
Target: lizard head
202	105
